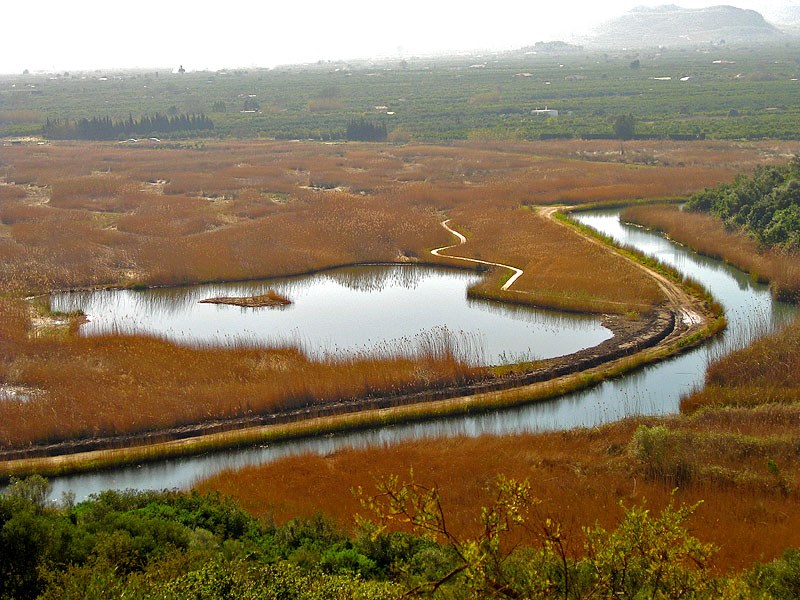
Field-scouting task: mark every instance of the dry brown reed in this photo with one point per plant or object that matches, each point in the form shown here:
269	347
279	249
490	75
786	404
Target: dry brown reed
11	192
119	385
568	276
95	192
766	371
579	477
85	214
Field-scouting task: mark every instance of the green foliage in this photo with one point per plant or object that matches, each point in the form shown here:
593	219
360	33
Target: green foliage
34	490
479	566
765	204
366	131
106	128
658	450
173	545
625	127
219	580
779	579
24	542
649	557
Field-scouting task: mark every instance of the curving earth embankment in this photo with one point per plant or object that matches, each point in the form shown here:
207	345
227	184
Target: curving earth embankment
680	321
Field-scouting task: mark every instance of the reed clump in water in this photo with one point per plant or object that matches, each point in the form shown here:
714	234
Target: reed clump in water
270	298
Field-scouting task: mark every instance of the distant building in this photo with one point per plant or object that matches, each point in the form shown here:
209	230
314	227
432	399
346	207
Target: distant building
545	112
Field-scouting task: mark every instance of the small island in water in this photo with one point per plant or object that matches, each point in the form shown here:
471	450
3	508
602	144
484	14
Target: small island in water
269	299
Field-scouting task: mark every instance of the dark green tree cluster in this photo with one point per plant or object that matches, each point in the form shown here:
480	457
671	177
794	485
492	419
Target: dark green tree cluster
765	204
174	545
625	127
366	131
177	545
106	128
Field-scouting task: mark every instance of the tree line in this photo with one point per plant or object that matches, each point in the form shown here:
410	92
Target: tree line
765	204
106	128
366	131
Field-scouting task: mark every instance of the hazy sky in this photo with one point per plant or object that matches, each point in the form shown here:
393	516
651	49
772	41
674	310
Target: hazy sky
59	35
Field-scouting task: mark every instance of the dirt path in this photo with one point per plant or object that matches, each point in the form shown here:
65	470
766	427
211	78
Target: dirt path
687	308
517	273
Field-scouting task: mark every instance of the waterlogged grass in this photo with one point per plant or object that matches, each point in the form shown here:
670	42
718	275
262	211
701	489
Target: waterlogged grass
767	371
122	385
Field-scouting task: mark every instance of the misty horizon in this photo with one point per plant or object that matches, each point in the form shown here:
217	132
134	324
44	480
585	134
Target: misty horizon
85	37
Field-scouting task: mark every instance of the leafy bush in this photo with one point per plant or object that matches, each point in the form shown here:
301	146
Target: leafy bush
766	204
779	579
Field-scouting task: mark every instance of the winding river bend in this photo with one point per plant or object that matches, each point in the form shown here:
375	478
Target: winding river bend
654	390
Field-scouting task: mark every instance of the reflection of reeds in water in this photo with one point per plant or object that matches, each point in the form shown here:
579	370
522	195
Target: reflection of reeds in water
169	301
549	319
739	335
437	344
372	279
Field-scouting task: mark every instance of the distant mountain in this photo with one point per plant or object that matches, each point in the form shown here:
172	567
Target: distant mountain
675	26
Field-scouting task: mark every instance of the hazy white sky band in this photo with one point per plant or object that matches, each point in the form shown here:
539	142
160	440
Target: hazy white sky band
93	34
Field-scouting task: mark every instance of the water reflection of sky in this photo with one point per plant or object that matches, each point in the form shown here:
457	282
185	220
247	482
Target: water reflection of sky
344	311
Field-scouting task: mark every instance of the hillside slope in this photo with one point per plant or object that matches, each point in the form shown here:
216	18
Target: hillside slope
672	25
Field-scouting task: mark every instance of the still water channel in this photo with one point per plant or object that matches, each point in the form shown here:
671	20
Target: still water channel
654	390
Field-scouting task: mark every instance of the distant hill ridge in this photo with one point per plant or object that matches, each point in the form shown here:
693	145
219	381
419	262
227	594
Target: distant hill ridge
671	25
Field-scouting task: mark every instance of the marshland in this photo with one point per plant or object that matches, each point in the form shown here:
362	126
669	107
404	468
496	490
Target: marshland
161	227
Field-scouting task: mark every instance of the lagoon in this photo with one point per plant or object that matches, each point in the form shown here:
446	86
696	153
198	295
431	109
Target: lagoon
348	311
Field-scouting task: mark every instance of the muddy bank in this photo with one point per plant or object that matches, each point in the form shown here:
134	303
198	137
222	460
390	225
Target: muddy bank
629	338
